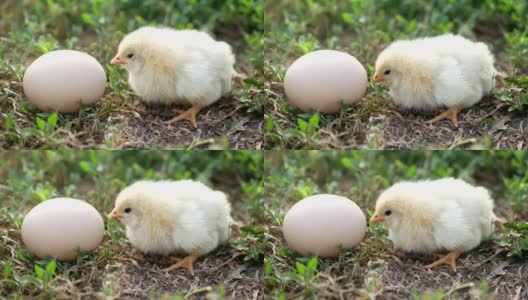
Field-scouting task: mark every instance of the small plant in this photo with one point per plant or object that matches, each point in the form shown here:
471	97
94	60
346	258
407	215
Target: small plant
516	94
252	242
45	275
304	275
515	239
306	130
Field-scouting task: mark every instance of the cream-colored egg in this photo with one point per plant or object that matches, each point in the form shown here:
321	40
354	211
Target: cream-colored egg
60	80
320	80
58	227
321	224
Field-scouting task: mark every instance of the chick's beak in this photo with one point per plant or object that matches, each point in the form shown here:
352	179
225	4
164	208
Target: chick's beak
376	219
115	215
117	60
378	78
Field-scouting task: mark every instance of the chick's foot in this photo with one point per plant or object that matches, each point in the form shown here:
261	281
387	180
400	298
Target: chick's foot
189	115
448	259
187	263
450	114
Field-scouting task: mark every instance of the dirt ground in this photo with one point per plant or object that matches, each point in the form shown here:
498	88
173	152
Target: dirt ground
489	119
400	275
138	276
143	128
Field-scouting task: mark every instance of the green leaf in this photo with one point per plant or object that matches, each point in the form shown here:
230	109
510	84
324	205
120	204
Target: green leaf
268	267
39	271
51	266
302	125
87	167
314	121
301	269
270	124
347	18
41	124
291	276
52	120
312	265
347	163
9	121
88	19
8	269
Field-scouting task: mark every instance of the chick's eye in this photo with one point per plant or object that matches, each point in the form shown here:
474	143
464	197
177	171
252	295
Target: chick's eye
388	212
127	210
130	55
387	72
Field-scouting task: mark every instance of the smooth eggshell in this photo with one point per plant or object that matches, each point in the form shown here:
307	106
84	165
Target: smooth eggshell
60	226
59	80
320	224
319	80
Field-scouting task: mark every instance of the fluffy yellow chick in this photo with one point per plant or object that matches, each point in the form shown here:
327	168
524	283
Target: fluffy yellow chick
167	217
445	71
436	215
176	66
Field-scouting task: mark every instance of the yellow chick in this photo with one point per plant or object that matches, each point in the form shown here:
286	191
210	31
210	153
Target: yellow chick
176	66
436	215
445	71
167	217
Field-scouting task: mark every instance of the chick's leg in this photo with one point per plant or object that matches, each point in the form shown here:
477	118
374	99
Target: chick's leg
187	263
189	115
448	259
450	114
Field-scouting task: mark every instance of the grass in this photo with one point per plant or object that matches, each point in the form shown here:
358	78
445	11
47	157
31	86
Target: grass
373	270
363	29
115	269
28	29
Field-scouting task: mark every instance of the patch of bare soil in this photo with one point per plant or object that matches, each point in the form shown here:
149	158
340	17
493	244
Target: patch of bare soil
400	276
225	118
140	276
488	119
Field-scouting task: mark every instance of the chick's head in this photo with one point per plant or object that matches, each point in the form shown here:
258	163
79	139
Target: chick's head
387	212
389	66
407	60
127	211
133	205
134	50
403	203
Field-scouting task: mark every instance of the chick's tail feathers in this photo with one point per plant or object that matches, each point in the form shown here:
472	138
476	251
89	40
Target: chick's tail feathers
498	76
499	222
234	226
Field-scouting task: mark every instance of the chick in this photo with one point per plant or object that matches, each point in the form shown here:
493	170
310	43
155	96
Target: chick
176	66
168	217
436	215
445	71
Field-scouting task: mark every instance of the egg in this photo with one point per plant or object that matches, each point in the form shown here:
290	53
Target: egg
321	224
320	80
59	227
59	80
